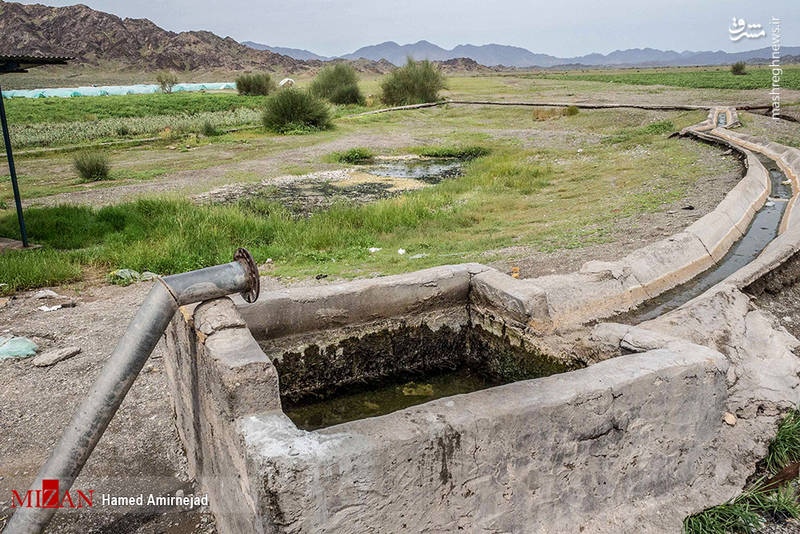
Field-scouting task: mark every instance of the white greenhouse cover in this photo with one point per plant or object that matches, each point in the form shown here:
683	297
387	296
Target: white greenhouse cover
140	89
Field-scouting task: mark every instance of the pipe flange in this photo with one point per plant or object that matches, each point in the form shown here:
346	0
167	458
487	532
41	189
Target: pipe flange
244	257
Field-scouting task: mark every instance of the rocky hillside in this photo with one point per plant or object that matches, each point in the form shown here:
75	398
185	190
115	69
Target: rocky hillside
95	37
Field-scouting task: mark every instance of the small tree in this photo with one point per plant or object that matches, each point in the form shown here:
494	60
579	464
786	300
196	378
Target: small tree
167	80
738	68
257	83
415	83
337	84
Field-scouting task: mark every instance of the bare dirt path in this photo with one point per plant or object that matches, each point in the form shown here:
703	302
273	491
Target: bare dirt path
196	180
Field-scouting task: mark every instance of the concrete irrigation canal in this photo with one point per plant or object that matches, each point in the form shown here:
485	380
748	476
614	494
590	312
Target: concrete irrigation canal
621	397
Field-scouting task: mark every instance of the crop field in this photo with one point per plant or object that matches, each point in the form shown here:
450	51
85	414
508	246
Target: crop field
719	78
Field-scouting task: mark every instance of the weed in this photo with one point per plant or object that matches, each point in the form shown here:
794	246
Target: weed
353	156
571	111
785	448
459	152
739	68
91	166
746	512
208	129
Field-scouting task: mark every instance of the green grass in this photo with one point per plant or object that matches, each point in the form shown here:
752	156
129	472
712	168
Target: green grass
352	156
510	196
92	108
785	448
746	513
459	152
756	78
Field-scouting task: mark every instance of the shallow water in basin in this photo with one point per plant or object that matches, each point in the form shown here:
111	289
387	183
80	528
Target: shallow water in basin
386	399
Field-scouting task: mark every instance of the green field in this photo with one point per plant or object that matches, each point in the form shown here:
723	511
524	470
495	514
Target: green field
510	195
91	108
756	78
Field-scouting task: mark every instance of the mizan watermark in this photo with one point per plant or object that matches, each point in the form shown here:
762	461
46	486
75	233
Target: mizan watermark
739	30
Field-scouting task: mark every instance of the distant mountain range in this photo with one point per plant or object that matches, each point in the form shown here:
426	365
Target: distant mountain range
296	53
514	56
97	38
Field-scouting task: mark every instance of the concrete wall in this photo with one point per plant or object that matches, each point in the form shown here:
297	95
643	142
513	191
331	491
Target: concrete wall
610	448
632	444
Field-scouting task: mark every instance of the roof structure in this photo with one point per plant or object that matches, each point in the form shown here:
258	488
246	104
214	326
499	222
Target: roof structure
23	63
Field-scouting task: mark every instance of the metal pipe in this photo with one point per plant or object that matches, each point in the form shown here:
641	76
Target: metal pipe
13	171
122	368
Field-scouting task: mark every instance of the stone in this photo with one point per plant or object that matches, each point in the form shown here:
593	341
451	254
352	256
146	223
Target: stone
53	356
46	294
729	418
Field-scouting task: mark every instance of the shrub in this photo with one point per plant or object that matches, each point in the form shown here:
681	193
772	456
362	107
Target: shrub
166	80
571	111
295	111
739	68
208	129
354	155
91	166
257	83
415	83
338	84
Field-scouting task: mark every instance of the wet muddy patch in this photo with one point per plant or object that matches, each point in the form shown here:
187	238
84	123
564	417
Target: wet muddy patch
361	184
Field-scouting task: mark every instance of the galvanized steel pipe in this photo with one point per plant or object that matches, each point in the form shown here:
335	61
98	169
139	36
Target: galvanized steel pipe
122	368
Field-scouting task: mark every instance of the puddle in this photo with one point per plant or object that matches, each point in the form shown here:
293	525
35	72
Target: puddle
762	230
386	399
430	171
304	195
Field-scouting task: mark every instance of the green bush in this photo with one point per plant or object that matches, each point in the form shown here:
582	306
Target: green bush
338	84
354	155
257	83
739	68
166	80
571	111
91	166
296	111
208	129
415	83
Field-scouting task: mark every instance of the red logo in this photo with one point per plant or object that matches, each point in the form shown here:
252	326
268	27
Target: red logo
50	497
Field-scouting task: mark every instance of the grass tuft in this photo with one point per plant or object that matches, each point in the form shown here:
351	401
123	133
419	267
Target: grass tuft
353	156
460	152
785	448
747	512
91	166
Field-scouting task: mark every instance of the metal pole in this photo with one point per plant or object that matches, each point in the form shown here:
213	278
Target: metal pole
13	171
122	368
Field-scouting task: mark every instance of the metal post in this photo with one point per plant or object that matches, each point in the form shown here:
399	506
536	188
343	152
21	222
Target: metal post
121	369
12	170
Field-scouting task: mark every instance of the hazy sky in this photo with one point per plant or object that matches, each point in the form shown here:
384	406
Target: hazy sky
560	27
